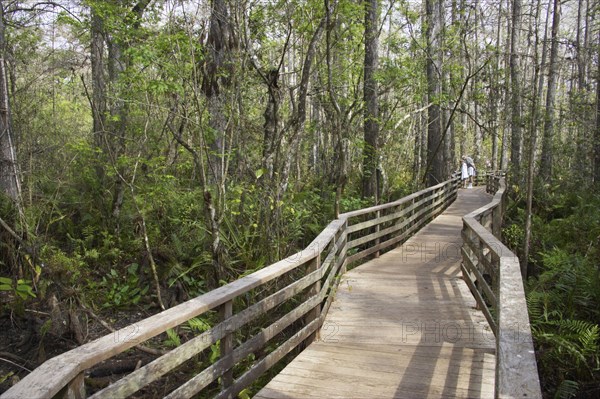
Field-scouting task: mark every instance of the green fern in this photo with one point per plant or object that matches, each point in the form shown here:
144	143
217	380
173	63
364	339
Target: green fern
198	325
567	389
173	340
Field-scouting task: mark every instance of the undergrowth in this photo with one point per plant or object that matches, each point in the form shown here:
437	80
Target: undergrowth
563	290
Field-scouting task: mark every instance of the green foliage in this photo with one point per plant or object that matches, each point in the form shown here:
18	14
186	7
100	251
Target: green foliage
173	339
123	290
513	236
563	296
352	203
22	289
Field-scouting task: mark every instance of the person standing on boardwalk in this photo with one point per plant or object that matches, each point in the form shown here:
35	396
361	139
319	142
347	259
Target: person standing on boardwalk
470	170
464	171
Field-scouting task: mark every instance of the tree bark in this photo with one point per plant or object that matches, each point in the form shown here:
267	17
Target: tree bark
217	77
9	177
494	94
597	130
98	82
547	145
515	84
371	110
435	158
582	163
539	79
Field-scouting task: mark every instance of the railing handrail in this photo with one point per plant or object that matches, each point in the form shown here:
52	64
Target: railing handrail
516	367
63	374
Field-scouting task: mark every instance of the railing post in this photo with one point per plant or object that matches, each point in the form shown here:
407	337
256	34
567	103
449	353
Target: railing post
497	221
474	239
74	389
226	311
344	253
377	228
315	313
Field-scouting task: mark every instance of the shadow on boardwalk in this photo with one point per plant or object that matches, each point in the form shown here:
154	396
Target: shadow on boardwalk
403	325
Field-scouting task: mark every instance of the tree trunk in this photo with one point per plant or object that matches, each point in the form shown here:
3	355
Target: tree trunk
597	130
515	76
435	156
539	79
371	110
98	83
9	177
447	120
217	76
547	145
10	186
582	163
495	92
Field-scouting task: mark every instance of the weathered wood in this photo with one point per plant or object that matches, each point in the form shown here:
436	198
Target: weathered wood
516	368
75	389
516	373
159	367
477	251
270	360
480	301
314	313
468	264
401	201
226	311
209	374
422	216
332	281
396	215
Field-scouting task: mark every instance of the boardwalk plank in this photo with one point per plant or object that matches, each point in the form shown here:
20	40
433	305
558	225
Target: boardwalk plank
403	325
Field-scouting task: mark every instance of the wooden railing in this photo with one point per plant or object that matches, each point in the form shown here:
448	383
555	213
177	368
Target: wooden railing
493	274
256	320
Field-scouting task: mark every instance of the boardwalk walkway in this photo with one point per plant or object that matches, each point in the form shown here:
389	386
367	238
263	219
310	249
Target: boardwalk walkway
401	326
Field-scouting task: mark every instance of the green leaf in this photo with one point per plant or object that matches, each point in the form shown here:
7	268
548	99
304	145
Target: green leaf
259	173
5	280
5	376
215	352
244	394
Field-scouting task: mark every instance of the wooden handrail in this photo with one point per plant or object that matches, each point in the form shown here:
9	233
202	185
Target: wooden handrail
310	278
493	274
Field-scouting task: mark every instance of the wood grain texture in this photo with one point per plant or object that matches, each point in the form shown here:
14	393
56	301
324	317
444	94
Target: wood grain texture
401	326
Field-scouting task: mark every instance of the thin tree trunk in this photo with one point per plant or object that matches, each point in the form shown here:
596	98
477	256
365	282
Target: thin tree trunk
98	83
582	163
217	77
507	92
370	93
515	75
537	78
435	158
494	93
9	177
597	130
547	145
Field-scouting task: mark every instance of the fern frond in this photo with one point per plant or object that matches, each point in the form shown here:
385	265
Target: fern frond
566	390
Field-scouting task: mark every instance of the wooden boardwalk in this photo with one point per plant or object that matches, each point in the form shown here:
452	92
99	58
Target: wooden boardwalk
401	326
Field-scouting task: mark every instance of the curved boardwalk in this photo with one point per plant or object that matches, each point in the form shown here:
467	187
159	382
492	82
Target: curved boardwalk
403	325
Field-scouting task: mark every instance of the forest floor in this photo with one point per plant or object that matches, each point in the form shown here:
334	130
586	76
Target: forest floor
27	341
